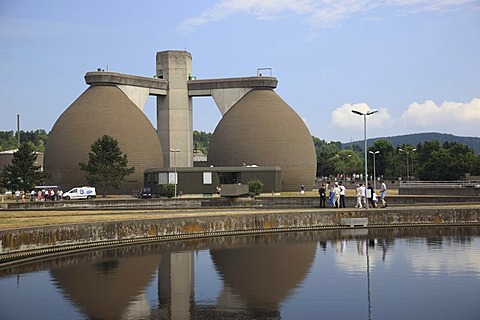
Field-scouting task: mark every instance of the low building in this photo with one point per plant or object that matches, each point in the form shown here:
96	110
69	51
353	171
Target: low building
205	180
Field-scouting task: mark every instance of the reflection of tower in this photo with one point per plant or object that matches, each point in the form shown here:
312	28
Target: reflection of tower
175	285
262	276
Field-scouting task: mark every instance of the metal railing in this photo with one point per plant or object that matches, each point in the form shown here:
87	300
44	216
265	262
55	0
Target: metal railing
440	184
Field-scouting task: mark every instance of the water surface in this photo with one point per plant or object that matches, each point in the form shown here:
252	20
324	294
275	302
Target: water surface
408	273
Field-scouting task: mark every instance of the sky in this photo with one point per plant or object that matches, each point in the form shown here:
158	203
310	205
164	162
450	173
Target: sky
415	61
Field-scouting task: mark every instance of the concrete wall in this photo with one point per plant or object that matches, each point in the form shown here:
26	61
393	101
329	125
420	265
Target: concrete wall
124	232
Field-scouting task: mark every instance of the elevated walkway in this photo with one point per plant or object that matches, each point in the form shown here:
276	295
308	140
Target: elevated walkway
156	86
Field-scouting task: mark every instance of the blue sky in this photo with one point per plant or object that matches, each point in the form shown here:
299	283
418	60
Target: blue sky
416	61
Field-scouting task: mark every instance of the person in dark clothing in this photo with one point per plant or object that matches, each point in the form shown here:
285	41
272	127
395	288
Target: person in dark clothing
370	193
342	194
323	196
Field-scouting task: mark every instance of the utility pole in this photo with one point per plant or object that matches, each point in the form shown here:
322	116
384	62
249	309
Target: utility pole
18	131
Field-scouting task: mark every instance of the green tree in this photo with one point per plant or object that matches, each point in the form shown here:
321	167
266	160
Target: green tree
384	160
201	140
449	161
168	190
325	151
347	161
255	186
9	139
23	174
107	164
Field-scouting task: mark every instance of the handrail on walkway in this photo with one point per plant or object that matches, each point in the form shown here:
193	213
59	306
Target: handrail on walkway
440	184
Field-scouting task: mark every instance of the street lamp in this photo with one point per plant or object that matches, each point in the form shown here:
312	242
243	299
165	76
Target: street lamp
374	173
407	152
344	159
365	144
175	168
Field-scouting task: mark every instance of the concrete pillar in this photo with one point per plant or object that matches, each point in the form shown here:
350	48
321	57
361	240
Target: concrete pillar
174	111
137	95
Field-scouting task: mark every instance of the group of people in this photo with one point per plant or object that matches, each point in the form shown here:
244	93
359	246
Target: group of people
336	195
40	195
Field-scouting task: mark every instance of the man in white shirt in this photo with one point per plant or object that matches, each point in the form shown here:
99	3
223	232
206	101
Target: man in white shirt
362	192
383	194
359	196
336	198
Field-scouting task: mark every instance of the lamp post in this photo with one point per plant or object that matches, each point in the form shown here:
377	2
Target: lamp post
365	114
344	159
175	168
407	152
374	173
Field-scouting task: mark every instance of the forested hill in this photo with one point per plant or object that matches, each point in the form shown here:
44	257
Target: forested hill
416	138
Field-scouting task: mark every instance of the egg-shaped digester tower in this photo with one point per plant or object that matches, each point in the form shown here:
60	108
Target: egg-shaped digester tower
262	129
101	110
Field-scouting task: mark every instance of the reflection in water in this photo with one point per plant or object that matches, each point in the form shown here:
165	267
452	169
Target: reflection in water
109	288
262	275
344	274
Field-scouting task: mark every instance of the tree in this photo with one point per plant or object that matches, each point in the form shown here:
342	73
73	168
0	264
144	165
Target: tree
201	140
255	186
107	164
325	151
346	161
23	174
384	164
9	139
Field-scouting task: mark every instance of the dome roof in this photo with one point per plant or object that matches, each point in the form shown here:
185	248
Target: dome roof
101	110
262	129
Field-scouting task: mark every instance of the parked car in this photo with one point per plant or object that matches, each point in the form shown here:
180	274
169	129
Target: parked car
145	192
80	193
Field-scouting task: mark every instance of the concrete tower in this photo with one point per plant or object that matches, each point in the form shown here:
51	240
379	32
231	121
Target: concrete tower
174	110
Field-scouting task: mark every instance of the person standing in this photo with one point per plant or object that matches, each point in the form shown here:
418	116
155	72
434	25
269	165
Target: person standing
331	197
342	194
322	193
362	193
370	193
336	198
383	194
359	196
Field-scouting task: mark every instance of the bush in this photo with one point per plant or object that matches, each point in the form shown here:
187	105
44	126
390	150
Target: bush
168	190
255	186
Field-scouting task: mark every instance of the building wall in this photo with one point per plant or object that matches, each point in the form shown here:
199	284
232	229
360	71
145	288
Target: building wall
262	129
101	110
191	181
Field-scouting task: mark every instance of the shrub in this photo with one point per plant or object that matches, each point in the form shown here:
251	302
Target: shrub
255	186
168	190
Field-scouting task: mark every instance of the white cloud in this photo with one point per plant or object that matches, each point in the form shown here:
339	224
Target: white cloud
344	118
449	116
317	13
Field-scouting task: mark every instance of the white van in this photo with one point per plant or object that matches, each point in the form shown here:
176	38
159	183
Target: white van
80	193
